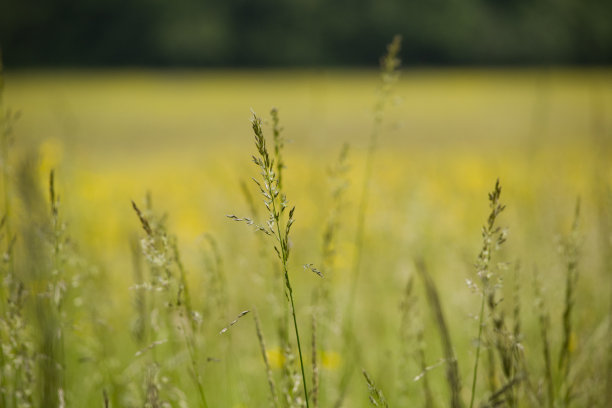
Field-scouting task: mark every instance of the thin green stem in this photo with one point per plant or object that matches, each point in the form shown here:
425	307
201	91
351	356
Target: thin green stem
59	270
389	66
297	334
359	233
285	256
271	190
191	349
478	347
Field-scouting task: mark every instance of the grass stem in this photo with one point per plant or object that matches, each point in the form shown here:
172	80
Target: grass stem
478	347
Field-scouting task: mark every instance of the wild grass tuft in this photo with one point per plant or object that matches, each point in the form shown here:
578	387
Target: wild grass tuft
170	302
492	238
278	225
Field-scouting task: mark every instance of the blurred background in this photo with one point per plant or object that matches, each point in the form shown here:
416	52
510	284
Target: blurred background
123	85
266	33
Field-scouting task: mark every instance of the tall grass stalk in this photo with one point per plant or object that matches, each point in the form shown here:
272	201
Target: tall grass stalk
389	66
45	285
413	342
140	325
452	368
492	238
58	277
315	365
323	309
264	355
217	296
278	226
18	343
6	274
570	248
161	251
7	119
603	193
516	337
337	176
544	323
13	295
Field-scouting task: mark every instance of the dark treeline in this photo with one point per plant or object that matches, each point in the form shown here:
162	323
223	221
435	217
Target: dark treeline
302	32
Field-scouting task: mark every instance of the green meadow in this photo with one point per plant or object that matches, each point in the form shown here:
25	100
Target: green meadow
398	261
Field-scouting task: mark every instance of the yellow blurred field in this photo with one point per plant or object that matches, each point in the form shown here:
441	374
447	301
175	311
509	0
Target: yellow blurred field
185	136
130	131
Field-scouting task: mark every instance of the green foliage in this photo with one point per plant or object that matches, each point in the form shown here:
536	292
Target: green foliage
298	33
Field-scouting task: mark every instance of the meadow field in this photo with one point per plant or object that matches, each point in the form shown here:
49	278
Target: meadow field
424	275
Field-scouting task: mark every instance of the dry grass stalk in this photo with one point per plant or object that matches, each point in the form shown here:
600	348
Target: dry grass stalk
452	368
413	343
264	355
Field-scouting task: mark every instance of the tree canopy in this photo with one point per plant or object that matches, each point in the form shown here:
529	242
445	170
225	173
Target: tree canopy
247	33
